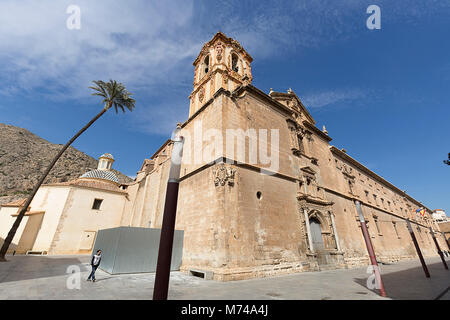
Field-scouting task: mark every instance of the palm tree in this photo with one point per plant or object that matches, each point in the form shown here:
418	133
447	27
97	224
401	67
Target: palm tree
447	161
114	94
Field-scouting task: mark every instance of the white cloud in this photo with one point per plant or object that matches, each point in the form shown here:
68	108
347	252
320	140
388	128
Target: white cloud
150	45
322	99
144	43
136	43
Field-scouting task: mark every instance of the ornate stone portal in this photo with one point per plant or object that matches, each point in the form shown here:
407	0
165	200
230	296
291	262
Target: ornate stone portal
317	222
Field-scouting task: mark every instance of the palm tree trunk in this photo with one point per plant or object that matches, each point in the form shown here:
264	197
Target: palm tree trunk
22	212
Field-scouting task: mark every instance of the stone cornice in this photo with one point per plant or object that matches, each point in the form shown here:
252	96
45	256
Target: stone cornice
316	130
238	164
289	96
160	148
310	199
372	174
28	213
354	198
91	187
278	105
206	104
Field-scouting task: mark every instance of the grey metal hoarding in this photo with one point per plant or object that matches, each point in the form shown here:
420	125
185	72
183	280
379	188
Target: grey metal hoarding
134	250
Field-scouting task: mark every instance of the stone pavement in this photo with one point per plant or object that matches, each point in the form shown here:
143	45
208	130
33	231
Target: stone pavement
46	277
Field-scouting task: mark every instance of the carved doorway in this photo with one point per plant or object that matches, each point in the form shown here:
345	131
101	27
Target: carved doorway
317	241
316	234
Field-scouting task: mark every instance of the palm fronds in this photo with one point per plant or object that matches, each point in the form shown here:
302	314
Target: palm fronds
114	94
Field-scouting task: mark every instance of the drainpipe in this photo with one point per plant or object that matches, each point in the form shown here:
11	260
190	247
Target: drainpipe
308	230
162	276
438	249
416	245
370	250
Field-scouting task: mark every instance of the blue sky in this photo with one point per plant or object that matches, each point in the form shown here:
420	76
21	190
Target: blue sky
382	94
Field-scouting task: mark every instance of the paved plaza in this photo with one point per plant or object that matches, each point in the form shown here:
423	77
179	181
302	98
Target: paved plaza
46	277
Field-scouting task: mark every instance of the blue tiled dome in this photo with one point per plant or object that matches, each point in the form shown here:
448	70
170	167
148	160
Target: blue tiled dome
101	174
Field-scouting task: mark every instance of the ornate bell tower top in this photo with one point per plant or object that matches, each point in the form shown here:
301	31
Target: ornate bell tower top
222	63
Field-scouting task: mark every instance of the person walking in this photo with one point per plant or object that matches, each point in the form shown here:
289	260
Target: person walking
95	262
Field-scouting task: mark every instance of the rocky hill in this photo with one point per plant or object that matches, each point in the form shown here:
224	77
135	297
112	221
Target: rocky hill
25	156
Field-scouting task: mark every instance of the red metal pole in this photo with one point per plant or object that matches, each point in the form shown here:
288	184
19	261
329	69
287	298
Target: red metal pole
419	253
438	249
162	277
370	250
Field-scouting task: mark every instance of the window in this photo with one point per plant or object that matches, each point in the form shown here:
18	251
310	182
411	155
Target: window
377	225
367	195
234	62
206	65
300	143
308	182
97	203
350	186
395	228
375	199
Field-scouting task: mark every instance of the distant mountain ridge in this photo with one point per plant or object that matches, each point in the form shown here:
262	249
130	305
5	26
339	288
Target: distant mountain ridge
24	156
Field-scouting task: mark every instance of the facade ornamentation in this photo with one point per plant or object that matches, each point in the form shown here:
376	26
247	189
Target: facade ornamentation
236	45
201	94
212	87
245	80
223	175
225	79
219	51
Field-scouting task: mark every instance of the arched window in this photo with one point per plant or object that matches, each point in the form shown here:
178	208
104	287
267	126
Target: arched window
234	62
206	65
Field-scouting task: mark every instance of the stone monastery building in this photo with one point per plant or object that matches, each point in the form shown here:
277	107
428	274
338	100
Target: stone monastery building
241	218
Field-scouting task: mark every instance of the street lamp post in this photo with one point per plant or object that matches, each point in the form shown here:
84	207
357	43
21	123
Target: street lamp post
162	276
370	250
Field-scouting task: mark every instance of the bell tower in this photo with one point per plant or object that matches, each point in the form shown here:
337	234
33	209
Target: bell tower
222	63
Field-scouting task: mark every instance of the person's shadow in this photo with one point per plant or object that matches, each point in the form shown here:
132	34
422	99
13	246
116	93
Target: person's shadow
101	279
